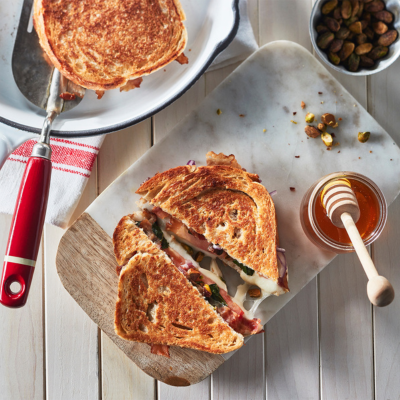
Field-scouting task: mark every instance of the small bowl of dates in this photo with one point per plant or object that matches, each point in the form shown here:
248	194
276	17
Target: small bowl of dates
356	37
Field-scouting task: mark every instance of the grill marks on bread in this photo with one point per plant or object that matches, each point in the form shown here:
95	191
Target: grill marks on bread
156	303
102	44
226	205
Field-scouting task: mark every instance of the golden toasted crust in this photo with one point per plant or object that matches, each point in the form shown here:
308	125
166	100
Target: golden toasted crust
102	44
157	305
227	205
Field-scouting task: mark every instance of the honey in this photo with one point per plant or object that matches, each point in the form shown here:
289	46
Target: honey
319	228
369	214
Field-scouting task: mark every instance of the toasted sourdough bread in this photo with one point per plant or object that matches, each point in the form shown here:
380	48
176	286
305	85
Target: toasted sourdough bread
102	44
157	305
225	204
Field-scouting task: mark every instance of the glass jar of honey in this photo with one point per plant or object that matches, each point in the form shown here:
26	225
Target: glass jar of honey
319	228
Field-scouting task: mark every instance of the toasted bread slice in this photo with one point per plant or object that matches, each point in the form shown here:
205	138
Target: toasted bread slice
225	204
157	305
102	44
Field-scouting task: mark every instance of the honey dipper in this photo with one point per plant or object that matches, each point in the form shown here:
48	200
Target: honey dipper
342	208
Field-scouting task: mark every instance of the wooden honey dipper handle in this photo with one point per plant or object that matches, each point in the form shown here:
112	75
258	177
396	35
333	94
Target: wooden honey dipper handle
380	291
342	208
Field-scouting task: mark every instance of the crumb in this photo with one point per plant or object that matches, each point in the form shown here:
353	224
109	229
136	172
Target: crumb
293	121
329	148
308	138
340	119
332	134
334	91
359	158
294	113
165	70
339	151
336	144
296	156
322	102
264	130
241	115
219	112
292	189
303	105
190	49
391	159
370	151
319	92
355	105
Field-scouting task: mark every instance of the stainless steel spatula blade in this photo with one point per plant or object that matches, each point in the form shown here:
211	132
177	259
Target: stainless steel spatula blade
32	72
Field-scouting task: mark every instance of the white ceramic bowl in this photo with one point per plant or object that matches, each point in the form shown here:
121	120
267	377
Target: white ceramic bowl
394	49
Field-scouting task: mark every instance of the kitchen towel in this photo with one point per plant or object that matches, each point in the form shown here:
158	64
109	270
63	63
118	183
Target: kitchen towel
73	160
242	45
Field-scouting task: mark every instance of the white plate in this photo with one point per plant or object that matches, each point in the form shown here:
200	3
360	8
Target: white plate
211	26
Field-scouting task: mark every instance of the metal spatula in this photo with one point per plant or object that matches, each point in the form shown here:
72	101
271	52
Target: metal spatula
42	85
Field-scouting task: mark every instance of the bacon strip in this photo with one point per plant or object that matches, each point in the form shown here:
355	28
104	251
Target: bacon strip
160	349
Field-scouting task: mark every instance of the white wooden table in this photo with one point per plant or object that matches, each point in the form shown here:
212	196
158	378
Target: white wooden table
326	343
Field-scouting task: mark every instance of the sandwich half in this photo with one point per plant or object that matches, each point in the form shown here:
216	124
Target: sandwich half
224	212
104	44
166	299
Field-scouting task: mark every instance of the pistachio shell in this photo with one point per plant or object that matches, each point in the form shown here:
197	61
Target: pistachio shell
363	136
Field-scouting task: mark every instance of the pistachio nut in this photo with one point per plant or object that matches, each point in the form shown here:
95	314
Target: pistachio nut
312	131
360	10
350	21
354	62
327	139
369	32
346	9
361	38
321	126
310	117
329	6
384	16
336	45
363	136
356	27
355	7
378	52
337	14
325	40
332	24
343	33
380	27
388	38
334	58
328	119
366	62
321	28
363	49
375	6
347	49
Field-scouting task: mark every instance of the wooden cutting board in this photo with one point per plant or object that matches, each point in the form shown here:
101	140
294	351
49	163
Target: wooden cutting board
258	101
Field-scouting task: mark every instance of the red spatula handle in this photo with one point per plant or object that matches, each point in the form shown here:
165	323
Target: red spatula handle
25	233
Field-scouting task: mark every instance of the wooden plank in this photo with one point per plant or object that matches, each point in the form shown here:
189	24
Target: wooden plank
345	331
21	337
121	378
291	349
383	105
292	357
87	270
71	337
242	376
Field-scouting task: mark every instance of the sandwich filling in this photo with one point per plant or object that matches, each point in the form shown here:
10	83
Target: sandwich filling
209	283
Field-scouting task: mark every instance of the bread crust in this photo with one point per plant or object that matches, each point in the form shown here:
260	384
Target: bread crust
156	303
104	44
227	205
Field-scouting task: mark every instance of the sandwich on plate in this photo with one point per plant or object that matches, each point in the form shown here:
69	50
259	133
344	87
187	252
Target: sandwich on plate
103	45
189	214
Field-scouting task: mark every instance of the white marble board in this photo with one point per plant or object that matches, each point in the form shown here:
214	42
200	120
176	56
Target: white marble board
267	88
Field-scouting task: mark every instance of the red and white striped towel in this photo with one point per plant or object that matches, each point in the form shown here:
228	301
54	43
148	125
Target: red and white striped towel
72	163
